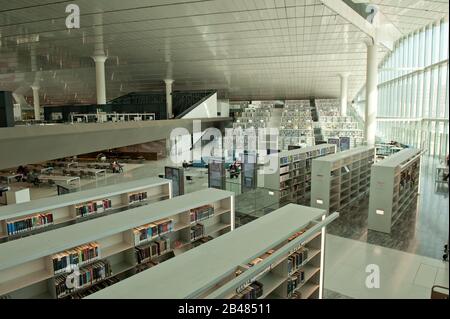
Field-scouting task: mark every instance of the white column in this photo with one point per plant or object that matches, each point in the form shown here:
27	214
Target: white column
100	78
36	104
169	83
371	94
344	92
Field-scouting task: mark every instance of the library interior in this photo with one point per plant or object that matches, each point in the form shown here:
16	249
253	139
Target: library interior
224	149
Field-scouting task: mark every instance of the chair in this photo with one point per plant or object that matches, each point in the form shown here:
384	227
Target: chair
189	179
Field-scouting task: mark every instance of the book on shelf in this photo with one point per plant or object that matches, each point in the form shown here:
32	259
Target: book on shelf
67	260
150	231
296	260
152	250
94	288
253	291
201	213
83	277
29	223
197	231
137	197
93	207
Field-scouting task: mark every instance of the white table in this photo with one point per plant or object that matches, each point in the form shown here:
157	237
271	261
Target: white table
58	178
8	177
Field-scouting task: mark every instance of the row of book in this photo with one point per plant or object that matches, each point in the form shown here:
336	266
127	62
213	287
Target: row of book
93	207
67	260
152	250
137	197
296	260
150	231
29	223
294	281
84	277
201	213
94	288
254	291
197	231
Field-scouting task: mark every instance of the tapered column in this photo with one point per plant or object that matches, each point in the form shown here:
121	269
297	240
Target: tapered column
169	83
100	78
36	103
371	94
344	92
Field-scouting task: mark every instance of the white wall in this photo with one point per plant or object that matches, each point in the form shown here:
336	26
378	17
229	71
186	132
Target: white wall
207	109
224	108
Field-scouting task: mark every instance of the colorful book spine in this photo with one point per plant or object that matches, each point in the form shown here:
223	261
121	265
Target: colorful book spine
84	277
66	261
150	231
29	223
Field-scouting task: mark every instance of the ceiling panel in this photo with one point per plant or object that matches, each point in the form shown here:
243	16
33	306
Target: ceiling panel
246	48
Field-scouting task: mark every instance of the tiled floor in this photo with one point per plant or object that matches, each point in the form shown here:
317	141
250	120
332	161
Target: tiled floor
402	275
423	232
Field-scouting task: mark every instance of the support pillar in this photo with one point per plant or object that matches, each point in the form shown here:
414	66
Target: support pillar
344	92
371	94
100	78
36	104
169	83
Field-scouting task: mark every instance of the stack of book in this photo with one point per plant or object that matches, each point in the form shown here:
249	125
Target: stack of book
201	213
66	261
29	223
197	231
150	231
84	277
137	197
152	250
93	207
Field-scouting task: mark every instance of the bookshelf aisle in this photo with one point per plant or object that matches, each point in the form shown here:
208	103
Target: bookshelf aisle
394	189
292	178
104	251
291	265
341	180
44	214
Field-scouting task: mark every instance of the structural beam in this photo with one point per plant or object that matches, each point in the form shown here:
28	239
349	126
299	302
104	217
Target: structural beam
351	16
38	143
371	94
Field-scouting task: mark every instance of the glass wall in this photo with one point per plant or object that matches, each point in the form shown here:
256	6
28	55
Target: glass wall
413	89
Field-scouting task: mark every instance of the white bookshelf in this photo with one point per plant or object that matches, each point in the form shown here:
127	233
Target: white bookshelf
292	177
342	179
26	267
64	208
333	125
219	269
394	189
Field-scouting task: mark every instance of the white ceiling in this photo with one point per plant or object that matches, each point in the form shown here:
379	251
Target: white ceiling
250	49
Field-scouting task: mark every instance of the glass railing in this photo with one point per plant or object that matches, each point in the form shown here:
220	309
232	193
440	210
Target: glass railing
254	203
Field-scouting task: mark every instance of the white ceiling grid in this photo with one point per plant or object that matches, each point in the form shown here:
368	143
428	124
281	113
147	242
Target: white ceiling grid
252	49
